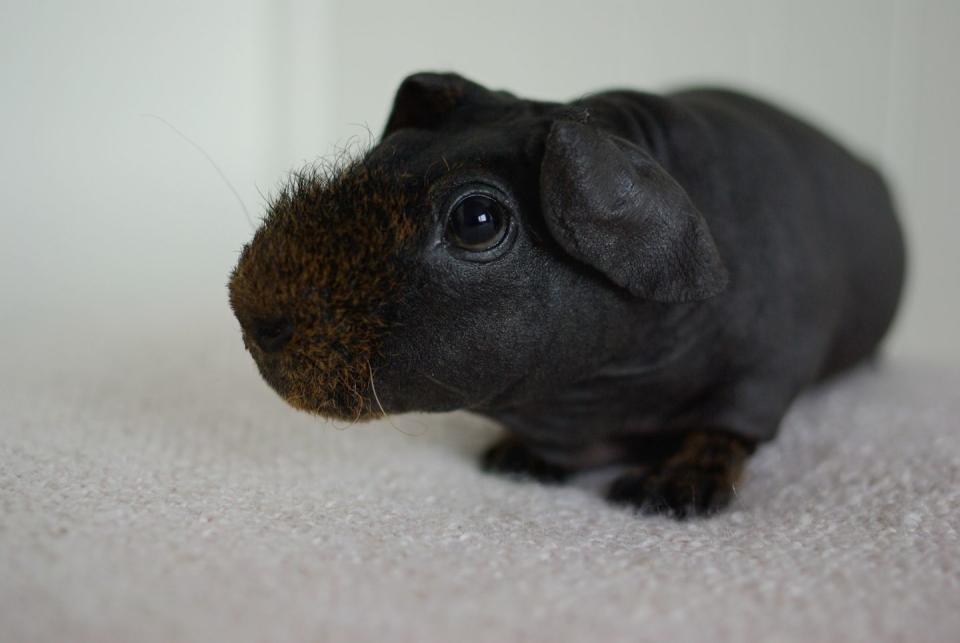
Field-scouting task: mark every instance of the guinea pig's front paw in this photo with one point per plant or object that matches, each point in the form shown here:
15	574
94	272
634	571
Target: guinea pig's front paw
677	492
509	457
697	480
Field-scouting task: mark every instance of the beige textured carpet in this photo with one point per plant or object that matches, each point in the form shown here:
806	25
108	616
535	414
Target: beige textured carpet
153	489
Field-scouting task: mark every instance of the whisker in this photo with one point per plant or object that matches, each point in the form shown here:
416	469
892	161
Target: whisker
209	158
383	413
449	387
263	197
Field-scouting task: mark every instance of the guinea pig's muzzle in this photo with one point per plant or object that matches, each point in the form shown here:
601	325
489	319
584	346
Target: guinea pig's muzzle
312	371
270	335
317	288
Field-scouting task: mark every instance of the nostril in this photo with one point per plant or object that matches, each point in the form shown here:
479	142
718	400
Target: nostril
273	334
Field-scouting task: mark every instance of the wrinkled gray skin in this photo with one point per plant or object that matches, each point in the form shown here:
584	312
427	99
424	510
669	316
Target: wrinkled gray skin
674	271
680	262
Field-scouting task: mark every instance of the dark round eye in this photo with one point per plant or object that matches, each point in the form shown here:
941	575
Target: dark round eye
477	223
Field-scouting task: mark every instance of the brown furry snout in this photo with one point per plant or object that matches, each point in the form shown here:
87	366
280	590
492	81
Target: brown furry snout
317	288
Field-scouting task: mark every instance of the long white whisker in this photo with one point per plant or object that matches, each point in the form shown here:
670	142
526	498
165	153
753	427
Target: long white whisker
449	387
383	413
212	162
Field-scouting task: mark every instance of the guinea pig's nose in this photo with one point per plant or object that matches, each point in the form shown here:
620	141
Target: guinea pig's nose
272	334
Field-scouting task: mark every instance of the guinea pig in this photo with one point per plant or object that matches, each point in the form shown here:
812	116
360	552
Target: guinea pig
625	279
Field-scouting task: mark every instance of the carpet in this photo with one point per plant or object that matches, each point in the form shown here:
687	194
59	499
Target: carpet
153	489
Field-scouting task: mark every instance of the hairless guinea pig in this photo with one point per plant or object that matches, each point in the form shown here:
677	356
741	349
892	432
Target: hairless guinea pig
627	278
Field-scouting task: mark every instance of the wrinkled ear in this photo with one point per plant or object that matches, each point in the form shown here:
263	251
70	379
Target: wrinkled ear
610	205
424	99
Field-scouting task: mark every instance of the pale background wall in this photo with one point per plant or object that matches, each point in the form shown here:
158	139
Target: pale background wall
109	213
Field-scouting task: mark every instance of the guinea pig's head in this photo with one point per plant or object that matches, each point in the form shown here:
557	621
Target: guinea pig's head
481	255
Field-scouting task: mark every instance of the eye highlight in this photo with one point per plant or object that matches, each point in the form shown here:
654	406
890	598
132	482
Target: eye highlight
477	223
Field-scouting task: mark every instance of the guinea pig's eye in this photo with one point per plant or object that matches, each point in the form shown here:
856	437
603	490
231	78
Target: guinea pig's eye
477	223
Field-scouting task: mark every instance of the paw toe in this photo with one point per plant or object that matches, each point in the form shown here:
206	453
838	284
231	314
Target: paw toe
680	494
509	457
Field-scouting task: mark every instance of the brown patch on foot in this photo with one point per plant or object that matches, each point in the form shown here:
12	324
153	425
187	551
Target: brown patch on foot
698	479
509	457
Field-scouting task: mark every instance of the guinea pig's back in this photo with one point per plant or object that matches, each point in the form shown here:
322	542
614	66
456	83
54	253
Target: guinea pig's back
854	218
875	258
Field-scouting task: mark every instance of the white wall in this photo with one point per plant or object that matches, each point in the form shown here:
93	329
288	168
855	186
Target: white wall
106	210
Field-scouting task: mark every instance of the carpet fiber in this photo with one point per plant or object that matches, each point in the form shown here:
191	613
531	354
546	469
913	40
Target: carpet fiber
153	489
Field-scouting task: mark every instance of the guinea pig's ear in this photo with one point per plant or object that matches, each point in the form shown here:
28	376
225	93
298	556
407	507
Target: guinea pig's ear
424	99
610	205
